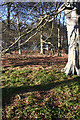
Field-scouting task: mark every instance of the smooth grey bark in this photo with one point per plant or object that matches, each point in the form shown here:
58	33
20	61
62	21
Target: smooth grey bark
19	47
19	42
41	41
73	64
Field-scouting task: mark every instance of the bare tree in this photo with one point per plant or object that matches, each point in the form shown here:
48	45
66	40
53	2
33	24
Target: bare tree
50	16
73	28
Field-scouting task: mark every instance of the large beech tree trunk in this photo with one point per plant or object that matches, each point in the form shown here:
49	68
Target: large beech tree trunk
73	64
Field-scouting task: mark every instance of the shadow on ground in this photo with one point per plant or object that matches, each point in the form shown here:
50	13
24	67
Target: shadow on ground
9	92
34	60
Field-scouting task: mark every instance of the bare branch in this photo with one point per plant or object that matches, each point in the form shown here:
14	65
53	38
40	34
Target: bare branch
40	25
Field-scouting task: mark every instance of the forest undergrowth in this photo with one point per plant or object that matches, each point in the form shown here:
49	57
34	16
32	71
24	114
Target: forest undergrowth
34	88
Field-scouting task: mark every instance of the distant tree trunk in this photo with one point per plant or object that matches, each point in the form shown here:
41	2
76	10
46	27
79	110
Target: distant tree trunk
62	41
8	24
41	41
19	47
73	64
59	39
62	37
8	15
41	11
20	52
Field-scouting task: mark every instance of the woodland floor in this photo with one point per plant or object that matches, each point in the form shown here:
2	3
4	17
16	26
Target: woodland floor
34	88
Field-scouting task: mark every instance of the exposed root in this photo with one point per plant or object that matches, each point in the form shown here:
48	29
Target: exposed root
71	69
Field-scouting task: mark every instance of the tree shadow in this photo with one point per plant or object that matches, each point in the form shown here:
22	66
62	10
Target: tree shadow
9	92
49	63
34	61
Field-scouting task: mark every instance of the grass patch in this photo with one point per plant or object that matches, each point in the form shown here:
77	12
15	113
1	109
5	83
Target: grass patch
44	95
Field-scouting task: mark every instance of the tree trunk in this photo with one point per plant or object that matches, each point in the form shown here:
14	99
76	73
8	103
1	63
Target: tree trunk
73	64
41	41
8	24
19	47
20	52
42	44
62	37
59	39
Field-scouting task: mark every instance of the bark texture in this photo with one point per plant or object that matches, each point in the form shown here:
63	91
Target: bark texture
73	64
